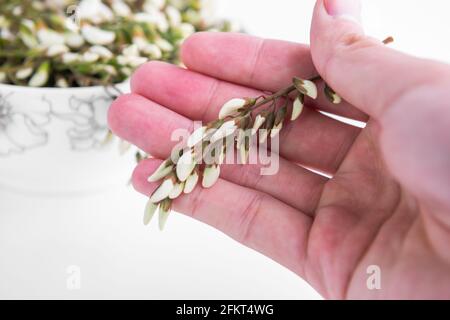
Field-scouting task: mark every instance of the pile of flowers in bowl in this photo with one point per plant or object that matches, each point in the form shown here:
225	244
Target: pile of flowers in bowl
67	43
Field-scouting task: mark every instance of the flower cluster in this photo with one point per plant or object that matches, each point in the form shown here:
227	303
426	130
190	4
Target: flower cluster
199	160
68	43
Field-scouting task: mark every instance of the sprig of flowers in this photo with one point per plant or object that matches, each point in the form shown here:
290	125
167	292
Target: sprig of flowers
199	161
67	43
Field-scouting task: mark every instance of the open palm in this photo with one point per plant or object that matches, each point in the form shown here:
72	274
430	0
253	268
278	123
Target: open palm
378	209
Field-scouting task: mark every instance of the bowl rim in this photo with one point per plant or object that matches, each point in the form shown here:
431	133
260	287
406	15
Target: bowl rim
60	90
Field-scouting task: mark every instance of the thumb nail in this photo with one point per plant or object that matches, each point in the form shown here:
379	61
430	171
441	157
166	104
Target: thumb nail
347	9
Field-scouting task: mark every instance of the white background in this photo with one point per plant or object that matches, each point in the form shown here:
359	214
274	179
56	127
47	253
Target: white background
120	258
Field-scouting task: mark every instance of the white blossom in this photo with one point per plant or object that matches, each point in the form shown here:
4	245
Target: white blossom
231	107
185	165
24	73
162	171
56	50
102	51
163	191
94	11
210	176
95	35
149	212
297	108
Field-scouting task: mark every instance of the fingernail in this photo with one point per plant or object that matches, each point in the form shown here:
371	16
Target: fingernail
346	9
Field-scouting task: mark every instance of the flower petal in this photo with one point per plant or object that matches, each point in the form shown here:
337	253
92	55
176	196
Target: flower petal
191	183
210	176
177	190
149	212
297	107
163	170
231	107
185	165
163	191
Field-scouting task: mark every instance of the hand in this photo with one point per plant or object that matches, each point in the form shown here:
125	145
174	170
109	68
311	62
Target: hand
388	201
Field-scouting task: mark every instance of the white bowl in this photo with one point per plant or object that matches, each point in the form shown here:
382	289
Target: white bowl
54	141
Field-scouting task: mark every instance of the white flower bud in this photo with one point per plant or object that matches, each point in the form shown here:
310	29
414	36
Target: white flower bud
162	171
56	50
276	130
94	11
186	29
49	37
152	50
297	108
164	45
131	51
185	165
70	57
191	183
24	73
210	176
94	35
74	40
227	129
163	191
40	78
231	107
177	190
259	121
102	51
196	137
306	87
149	212
90	57
62	83
173	15
121	8
3	77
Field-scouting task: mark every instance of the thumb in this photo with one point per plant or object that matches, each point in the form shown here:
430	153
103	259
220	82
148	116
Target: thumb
407	96
361	69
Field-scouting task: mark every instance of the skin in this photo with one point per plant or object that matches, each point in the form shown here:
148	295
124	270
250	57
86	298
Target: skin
388	201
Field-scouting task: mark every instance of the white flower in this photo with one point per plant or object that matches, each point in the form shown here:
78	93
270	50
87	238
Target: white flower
155	17
210	176
149	212
297	108
3	77
56	50
185	165
40	78
227	129
259	121
152	50
191	183
102	51
70	57
163	170
186	29
74	40
177	190
196	136
163	191
173	15
154	4
332	96
94	35
306	87
131	61
164	45
94	11
231	107
131	51
24	73
62	83
49	37
90	57
121	8
276	130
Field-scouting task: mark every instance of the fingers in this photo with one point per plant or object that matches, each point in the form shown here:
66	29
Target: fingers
267	65
139	120
251	217
362	70
314	140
